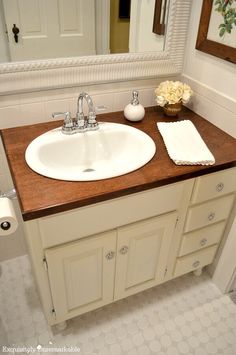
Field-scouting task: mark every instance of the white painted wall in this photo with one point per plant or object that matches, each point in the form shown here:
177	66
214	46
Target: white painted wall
214	83
212	79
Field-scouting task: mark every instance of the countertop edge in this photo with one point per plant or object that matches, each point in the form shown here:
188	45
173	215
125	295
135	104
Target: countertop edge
45	212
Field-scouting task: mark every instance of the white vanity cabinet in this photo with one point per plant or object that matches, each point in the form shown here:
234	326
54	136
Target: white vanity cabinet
94	255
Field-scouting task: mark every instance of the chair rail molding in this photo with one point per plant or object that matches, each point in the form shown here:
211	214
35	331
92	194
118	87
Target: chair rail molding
37	75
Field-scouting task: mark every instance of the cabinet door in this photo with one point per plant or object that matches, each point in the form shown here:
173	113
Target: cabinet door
142	252
81	274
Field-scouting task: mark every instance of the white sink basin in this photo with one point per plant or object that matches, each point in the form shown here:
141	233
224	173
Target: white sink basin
113	150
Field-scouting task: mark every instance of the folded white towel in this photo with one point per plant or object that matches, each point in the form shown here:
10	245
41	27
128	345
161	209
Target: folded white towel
184	144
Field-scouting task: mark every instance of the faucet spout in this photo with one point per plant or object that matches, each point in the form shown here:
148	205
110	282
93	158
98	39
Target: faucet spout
89	122
89	101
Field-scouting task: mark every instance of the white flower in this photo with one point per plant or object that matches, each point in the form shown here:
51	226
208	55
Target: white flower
186	97
160	101
171	92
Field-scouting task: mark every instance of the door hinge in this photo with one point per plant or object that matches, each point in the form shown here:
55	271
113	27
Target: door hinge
45	263
176	222
53	313
6	31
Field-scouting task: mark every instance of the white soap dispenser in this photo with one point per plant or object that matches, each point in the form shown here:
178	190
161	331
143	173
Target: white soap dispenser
134	111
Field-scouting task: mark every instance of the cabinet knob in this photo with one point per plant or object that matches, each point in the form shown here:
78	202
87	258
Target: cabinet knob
124	249
110	255
203	242
196	264
211	216
220	186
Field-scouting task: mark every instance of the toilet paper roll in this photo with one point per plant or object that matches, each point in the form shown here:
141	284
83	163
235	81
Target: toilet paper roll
8	220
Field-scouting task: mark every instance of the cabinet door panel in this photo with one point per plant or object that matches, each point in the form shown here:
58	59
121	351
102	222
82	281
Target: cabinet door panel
142	251
81	274
143	248
82	290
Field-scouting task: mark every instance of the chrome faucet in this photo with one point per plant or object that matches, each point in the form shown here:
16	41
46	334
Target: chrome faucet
83	123
68	124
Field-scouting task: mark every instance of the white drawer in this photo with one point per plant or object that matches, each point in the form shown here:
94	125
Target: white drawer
201	238
195	261
208	213
104	216
214	185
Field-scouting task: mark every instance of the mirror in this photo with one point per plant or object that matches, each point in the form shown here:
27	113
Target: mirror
44	74
40	29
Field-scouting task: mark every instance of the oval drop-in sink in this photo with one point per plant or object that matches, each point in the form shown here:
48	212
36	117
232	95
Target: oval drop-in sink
113	150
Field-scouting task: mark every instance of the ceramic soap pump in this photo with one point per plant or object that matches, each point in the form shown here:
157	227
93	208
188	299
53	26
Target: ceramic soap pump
134	111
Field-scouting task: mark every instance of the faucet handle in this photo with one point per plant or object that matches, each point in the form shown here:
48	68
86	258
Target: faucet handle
92	123
80	122
68	124
58	114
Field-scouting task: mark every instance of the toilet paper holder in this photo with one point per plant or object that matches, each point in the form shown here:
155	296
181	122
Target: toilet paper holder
8	220
11	194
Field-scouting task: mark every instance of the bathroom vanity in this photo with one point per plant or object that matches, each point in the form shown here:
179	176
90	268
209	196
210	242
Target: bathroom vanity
92	243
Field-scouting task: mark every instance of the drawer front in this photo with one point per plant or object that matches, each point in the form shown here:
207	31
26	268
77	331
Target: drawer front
214	185
79	223
195	261
201	238
208	213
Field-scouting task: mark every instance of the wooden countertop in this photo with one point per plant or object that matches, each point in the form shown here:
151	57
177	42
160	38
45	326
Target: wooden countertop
40	196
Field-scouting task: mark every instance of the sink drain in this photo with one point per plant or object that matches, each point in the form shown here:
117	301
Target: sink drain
88	170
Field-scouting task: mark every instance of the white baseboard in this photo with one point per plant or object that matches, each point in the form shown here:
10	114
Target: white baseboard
214	106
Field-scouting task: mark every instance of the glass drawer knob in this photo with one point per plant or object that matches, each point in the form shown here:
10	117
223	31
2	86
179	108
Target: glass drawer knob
220	186
124	249
110	255
196	264
211	216
203	242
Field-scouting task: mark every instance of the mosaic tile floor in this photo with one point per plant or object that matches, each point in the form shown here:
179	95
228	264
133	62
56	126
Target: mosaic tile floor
188	315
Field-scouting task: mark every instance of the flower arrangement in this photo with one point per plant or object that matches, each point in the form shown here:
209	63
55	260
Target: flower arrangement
172	92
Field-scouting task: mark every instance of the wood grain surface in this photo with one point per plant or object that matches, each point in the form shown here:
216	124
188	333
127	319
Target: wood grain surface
40	196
